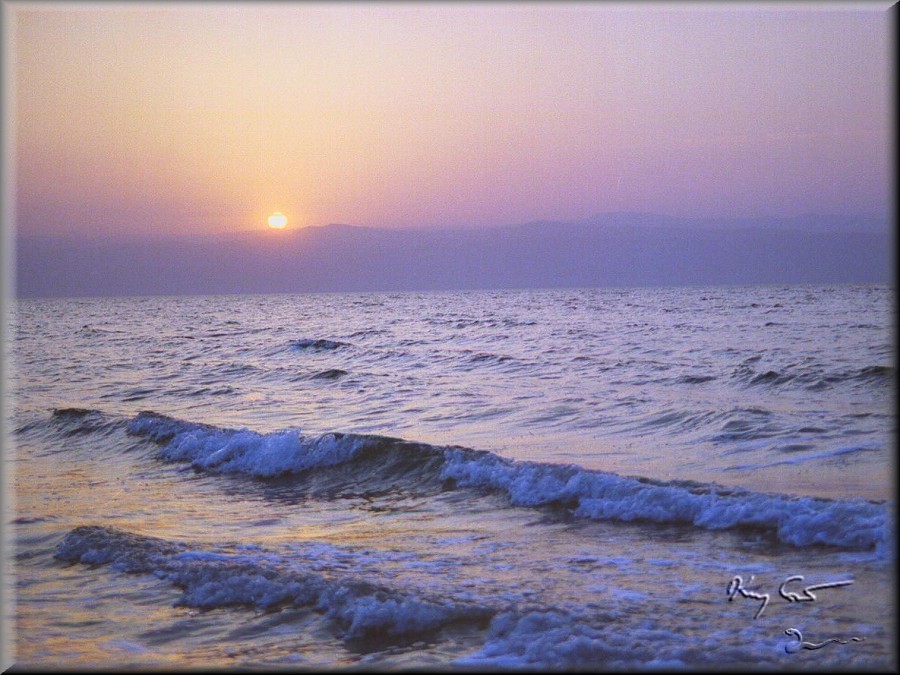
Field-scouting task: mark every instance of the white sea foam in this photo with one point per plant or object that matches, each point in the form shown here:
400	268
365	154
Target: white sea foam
554	639
592	494
856	524
244	451
210	579
550	638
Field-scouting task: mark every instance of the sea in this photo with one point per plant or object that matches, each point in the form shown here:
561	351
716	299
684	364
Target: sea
559	479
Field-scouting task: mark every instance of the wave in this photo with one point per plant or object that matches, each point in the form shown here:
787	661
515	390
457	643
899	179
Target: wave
69	422
488	358
799	459
322	466
874	372
362	610
552	639
357	461
330	374
813	376
88	330
771	377
695	379
319	344
369	332
371	616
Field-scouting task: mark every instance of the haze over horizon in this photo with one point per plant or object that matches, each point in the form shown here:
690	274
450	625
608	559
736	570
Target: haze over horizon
612	250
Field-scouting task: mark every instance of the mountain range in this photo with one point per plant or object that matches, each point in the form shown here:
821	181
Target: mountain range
614	249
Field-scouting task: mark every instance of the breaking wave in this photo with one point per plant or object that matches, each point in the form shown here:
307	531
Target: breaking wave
355	461
362	610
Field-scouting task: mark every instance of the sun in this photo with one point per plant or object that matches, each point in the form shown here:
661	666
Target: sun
278	220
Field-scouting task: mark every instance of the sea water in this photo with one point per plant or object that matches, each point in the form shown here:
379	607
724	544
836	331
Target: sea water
590	478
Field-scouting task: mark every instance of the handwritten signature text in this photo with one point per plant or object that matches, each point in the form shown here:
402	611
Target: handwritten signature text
736	586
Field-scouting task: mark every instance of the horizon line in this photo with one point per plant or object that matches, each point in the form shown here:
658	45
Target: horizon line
882	219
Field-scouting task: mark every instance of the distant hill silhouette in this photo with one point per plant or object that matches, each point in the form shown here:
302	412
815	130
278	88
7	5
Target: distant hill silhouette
616	249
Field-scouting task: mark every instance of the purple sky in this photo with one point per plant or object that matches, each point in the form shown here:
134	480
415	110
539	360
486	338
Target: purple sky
204	118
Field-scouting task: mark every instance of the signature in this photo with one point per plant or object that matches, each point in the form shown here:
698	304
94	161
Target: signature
808	595
794	647
736	585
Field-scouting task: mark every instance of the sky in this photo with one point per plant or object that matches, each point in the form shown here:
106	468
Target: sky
199	118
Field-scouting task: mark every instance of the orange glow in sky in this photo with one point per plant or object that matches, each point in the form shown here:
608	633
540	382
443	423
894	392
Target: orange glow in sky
195	118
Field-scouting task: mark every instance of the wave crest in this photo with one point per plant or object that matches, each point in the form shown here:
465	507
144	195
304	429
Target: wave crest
208	580
338	461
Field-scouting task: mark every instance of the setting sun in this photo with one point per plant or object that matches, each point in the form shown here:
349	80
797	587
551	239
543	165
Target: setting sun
278	220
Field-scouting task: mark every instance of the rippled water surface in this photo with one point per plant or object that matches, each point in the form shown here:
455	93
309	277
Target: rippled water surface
554	478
